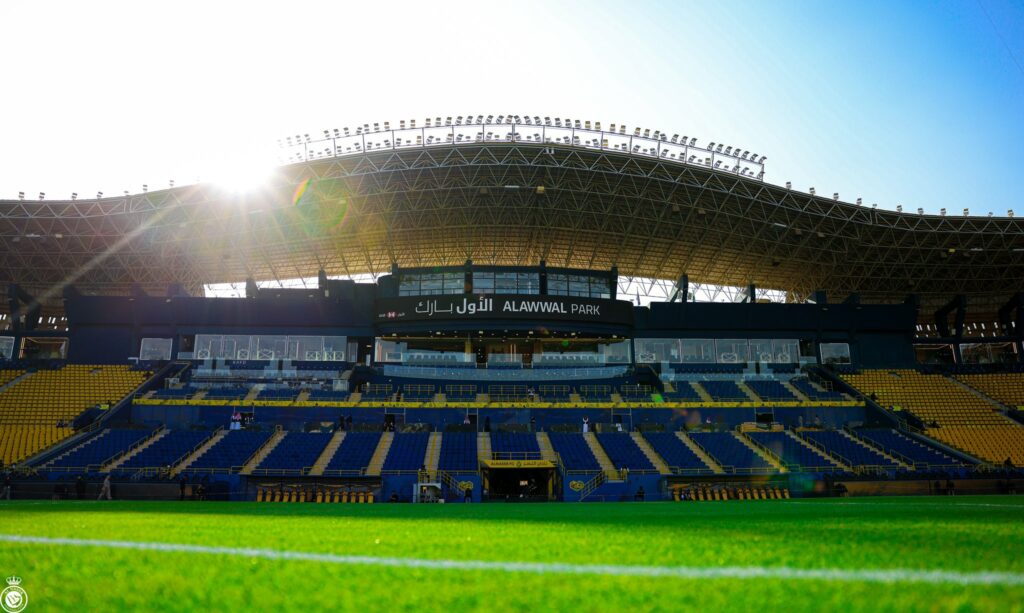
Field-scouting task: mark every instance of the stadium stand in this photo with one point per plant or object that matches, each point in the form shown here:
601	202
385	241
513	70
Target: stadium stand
808	389
771	391
728	451
725	391
354	454
168	450
901	446
32	407
514	444
458	452
231	452
623	451
675	453
574	451
407	452
295	453
793	452
1007	388
100	449
848	449
995	444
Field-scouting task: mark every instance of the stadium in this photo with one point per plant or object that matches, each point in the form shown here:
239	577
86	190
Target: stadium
505	310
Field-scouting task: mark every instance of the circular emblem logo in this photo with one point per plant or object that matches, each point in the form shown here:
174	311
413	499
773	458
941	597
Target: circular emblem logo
576	485
465	485
13	599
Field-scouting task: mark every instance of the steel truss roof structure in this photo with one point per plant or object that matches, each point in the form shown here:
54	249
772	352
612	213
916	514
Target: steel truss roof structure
506	200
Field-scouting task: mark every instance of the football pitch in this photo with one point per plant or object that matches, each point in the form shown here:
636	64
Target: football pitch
870	554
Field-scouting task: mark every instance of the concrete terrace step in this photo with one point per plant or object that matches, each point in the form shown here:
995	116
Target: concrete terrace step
432	457
483	446
651	454
703	393
602	457
547	452
263	452
121	460
325	456
704	457
792	390
380	454
749	392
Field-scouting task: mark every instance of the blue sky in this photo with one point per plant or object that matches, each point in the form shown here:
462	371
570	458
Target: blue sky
913	103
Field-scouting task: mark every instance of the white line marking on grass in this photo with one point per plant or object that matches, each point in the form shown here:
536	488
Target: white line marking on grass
892	575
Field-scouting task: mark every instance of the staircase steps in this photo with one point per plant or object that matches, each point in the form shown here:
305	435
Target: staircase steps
704	457
575	398
199	395
547	452
263	452
210	442
432	457
760	451
483	446
819	450
355	397
121	460
616	397
380	454
704	395
325	456
303	396
669	387
651	454
602	457
996	405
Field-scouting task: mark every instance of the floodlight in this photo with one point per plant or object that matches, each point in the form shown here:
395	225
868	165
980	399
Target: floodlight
1009	213
718	149
967	212
74	195
693	141
859	201
42	195
899	208
21	195
942	211
145	188
920	211
99	195
711	146
835	196
812	191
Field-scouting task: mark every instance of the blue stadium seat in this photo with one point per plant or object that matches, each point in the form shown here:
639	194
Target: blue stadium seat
623	451
791	451
724	391
675	453
231	452
515	443
849	450
407	451
574	451
100	449
458	452
771	391
297	451
729	452
897	444
354	454
170	449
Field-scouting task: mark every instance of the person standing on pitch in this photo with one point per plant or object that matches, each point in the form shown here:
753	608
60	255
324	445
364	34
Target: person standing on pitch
6	492
105	490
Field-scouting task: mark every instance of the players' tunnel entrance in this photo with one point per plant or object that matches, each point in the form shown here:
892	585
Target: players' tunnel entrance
530	481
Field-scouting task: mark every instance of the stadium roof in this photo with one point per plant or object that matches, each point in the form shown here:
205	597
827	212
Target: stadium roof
509	194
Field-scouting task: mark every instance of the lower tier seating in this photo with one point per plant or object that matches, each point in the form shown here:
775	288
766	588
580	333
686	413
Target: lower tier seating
792	451
354	454
849	450
514	443
574	451
675	453
407	451
168	450
995	444
623	451
458	452
894	443
297	451
231	452
100	449
729	452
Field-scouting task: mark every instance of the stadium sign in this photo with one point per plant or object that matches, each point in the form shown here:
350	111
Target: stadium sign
547	308
518	463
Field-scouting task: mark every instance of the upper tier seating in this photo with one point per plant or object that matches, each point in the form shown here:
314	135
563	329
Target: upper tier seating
31	407
8	374
675	453
515	444
932	398
226	393
329	395
683	392
231	452
724	391
278	394
100	449
177	394
623	451
407	451
574	451
704	369
728	451
896	444
771	391
849	450
792	451
355	452
805	387
458	452
169	450
297	451
994	444
1007	388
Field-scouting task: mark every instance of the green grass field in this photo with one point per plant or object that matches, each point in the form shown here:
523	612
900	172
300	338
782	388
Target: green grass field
901	538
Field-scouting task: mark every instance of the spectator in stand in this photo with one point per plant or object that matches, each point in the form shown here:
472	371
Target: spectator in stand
586	423
6	492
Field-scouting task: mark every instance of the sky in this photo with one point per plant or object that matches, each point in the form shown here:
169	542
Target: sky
911	103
